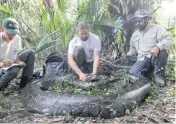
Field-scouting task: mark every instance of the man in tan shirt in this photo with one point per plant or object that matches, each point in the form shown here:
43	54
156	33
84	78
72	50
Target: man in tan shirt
150	42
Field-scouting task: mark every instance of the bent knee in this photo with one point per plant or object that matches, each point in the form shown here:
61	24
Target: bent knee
134	71
31	55
13	72
31	52
79	48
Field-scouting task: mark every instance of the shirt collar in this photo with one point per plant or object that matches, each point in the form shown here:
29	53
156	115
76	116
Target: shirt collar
142	32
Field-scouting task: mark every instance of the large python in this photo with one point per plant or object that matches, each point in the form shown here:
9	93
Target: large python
36	97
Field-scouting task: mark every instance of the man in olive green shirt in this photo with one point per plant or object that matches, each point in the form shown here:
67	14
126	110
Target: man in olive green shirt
150	42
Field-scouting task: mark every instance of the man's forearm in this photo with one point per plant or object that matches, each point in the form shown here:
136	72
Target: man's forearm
96	64
1	64
75	67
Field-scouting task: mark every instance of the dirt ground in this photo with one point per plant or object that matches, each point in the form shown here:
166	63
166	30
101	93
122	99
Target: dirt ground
159	107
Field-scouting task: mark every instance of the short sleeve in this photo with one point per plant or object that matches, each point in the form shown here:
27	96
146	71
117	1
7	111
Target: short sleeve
14	48
71	48
19	44
97	44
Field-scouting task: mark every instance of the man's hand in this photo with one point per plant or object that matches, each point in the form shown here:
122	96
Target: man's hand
22	64
155	51
128	54
92	78
93	73
83	77
6	63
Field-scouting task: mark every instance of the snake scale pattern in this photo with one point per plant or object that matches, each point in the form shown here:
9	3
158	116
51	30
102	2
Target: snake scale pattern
36	97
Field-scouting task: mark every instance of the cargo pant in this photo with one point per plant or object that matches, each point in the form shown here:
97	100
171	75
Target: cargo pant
148	65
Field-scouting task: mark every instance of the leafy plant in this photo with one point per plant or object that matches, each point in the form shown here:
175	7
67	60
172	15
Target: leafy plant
5	102
4	12
127	112
172	93
113	86
148	99
170	71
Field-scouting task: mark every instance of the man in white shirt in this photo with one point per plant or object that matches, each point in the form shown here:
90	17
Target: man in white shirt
84	51
10	46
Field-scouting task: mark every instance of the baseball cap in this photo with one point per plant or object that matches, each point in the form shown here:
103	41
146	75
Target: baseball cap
11	26
141	14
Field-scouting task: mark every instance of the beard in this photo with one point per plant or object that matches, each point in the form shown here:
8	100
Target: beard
84	39
142	27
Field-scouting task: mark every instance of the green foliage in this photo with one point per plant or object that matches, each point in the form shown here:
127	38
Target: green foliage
66	87
62	87
5	103
4	12
153	93
44	122
50	28
170	71
81	8
127	112
116	83
94	11
171	28
114	112
55	17
118	39
172	93
148	99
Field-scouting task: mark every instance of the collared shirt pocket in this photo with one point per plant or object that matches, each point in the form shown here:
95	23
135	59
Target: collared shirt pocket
136	42
151	41
148	44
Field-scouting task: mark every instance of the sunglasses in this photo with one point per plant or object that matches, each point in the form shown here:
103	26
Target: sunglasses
138	20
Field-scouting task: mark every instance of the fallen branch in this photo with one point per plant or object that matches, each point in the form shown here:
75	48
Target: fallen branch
119	59
126	67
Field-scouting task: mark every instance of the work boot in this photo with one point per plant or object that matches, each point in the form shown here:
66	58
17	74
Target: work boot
133	78
159	80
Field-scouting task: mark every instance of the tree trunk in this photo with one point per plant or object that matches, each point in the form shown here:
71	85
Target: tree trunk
126	9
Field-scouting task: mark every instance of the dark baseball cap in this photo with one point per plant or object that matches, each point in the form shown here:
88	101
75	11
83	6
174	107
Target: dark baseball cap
11	26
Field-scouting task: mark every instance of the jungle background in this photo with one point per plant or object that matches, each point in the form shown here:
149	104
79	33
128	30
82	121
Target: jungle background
48	25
